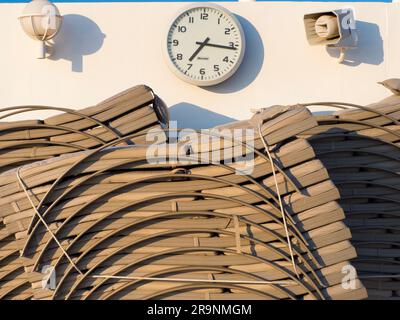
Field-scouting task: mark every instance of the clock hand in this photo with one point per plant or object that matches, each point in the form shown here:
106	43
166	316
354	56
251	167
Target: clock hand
202	45
217	46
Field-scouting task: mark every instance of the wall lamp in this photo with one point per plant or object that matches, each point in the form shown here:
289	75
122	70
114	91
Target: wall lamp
41	21
334	29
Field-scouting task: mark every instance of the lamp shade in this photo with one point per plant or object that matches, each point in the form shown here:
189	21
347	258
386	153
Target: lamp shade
41	20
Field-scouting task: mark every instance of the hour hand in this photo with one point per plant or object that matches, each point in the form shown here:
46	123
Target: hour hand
202	45
217	46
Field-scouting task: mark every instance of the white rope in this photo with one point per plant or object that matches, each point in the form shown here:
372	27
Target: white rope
286	283
266	147
283	283
45	224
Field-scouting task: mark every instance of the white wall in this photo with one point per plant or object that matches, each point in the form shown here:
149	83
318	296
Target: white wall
106	47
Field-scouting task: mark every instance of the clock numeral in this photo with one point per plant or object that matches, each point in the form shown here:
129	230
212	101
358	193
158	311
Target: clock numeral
219	20
202	71
216	67
191	19
182	29
175	43
226	59
227	31
190	66
179	56
231	44
204	16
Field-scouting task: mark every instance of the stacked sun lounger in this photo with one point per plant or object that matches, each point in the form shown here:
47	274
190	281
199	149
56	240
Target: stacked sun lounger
130	223
360	148
131	114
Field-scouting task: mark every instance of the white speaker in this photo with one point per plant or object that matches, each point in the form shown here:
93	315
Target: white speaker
335	29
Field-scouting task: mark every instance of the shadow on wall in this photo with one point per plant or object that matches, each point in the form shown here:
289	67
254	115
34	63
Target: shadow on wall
370	46
79	36
191	116
252	62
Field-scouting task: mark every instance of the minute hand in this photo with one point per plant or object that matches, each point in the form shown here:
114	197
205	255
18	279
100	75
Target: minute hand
217	46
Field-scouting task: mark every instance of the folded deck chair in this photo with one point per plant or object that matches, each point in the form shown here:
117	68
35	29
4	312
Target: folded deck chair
129	223
360	148
131	113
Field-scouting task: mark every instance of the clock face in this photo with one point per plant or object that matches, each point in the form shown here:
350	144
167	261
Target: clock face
205	45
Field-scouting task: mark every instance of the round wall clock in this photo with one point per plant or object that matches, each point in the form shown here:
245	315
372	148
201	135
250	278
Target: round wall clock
205	44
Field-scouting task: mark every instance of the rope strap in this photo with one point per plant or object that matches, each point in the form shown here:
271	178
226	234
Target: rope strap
174	205
266	147
45	224
284	283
